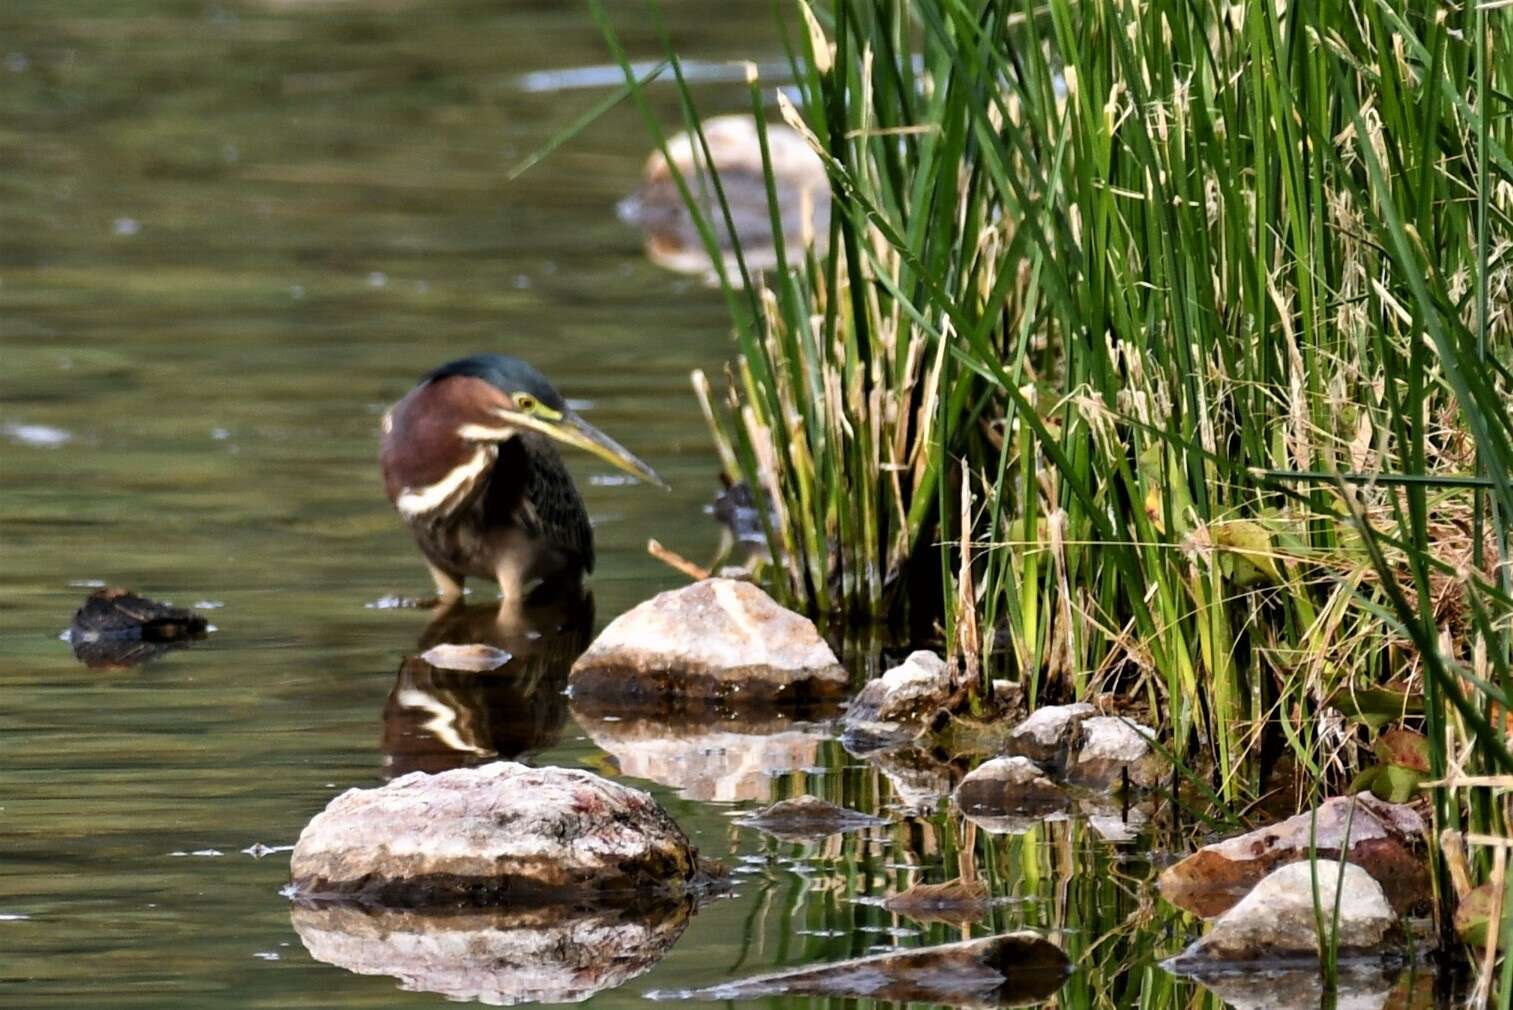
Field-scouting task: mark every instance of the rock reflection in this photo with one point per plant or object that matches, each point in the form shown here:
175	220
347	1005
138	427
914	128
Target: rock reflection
1010	969
436	720
1361	987
707	753
556	954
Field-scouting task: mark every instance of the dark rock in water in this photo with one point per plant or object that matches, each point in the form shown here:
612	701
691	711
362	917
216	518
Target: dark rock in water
1277	921
117	628
719	638
956	901
706	752
994	971
1387	840
557	953
496	835
1009	785
809	817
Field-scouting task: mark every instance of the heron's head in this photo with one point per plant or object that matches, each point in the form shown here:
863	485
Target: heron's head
488	399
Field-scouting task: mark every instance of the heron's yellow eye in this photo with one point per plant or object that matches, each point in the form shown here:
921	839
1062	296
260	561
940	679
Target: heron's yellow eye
525	403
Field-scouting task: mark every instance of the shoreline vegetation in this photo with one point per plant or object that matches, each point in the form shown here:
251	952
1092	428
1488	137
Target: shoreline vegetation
1154	349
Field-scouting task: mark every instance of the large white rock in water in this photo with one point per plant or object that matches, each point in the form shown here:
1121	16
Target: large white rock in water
550	954
1049	730
497	834
900	704
1276	920
719	638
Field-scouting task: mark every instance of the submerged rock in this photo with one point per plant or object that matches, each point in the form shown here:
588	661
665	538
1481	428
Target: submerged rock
988	972
497	834
116	628
809	817
1007	786
474	657
1112	748
719	638
1277	920
956	901
673	240
705	754
901	704
1048	732
560	953
1385	840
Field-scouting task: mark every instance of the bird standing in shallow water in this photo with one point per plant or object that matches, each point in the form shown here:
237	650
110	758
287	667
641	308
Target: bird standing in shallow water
468	460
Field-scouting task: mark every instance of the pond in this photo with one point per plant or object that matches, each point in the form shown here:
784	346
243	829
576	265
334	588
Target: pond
231	233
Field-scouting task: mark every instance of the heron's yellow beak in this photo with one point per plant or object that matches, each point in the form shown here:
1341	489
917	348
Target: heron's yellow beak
570	429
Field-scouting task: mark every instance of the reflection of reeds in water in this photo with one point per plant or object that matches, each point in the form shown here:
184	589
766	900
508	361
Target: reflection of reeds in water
826	899
435	720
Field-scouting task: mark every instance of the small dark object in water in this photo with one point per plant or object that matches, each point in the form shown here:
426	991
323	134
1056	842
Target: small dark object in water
736	510
1004	970
809	817
116	628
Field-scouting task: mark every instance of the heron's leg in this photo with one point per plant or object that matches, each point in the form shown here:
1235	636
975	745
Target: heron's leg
448	584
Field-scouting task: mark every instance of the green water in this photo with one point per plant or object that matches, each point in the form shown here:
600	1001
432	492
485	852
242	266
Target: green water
230	234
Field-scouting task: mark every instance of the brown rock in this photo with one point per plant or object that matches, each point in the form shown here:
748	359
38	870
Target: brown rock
1385	840
803	192
493	835
809	817
957	901
719	638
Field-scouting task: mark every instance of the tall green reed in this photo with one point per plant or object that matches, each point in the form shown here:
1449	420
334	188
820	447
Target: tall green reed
1191	319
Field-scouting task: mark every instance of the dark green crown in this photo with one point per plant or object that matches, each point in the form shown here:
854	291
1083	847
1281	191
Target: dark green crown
511	375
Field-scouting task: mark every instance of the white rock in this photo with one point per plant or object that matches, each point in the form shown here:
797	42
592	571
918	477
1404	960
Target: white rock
1110	747
1007	786
715	638
898	705
1276	920
495	834
1047	730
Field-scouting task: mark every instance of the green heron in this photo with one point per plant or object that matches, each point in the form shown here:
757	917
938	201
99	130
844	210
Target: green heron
468	460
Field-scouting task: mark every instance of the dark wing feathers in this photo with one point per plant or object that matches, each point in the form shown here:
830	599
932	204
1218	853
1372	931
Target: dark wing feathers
551	507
